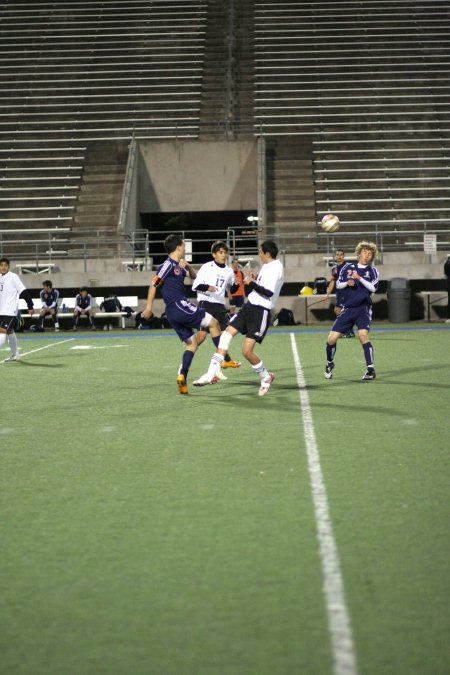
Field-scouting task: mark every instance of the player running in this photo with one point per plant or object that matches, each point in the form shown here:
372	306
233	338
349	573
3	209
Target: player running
184	317
360	279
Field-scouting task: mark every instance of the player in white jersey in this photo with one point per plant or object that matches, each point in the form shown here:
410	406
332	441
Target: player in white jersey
254	317
214	280
11	289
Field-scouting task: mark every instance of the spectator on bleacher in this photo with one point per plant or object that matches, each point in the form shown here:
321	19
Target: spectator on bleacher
11	289
49	301
447	274
83	307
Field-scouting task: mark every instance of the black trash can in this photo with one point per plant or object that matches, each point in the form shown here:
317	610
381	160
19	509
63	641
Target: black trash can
399	300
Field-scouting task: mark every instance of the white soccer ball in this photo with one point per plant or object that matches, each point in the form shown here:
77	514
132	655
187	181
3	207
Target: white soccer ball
330	222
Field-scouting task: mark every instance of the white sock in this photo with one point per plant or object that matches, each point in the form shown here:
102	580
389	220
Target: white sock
261	369
12	339
215	364
2	339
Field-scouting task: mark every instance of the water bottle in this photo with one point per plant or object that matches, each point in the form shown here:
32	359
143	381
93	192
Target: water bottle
64	308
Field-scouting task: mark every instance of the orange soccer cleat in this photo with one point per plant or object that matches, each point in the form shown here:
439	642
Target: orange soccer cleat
231	364
182	384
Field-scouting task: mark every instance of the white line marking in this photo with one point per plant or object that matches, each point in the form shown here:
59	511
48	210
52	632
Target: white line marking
338	617
33	351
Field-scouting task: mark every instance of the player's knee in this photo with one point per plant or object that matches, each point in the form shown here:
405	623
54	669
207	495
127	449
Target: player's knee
201	335
225	340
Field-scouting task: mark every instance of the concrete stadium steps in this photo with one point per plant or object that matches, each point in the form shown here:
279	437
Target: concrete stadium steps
289	205
227	102
98	207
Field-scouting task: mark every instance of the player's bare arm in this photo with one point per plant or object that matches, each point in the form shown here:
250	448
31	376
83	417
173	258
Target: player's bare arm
146	314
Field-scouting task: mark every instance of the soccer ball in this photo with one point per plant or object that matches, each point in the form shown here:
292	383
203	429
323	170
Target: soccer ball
330	222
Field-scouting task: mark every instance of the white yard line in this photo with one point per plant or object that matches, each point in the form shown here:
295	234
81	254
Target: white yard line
33	351
338	616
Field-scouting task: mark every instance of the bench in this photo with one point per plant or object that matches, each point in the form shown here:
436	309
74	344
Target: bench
68	304
438	297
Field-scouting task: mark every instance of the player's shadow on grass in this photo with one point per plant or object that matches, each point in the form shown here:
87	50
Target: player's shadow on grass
388	375
21	364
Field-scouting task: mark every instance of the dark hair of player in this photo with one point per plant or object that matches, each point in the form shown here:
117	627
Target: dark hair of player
218	245
172	241
270	247
4	260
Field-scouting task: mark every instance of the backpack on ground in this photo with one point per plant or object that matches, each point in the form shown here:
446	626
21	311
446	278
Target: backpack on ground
285	317
145	324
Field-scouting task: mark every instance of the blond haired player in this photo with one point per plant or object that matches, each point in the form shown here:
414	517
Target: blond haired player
360	279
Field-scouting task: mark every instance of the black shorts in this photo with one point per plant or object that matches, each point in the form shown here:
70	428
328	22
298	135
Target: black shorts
8	322
237	300
217	310
252	321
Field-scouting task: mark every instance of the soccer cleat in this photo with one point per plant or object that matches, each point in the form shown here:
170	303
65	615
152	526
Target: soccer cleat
350	334
369	374
13	357
231	364
57	329
220	376
182	384
265	384
203	380
329	370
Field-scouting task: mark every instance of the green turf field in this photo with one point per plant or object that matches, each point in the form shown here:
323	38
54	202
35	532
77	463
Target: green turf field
143	532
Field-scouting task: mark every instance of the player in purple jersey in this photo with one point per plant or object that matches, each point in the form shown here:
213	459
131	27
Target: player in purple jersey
83	307
360	279
184	316
49	301
339	257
